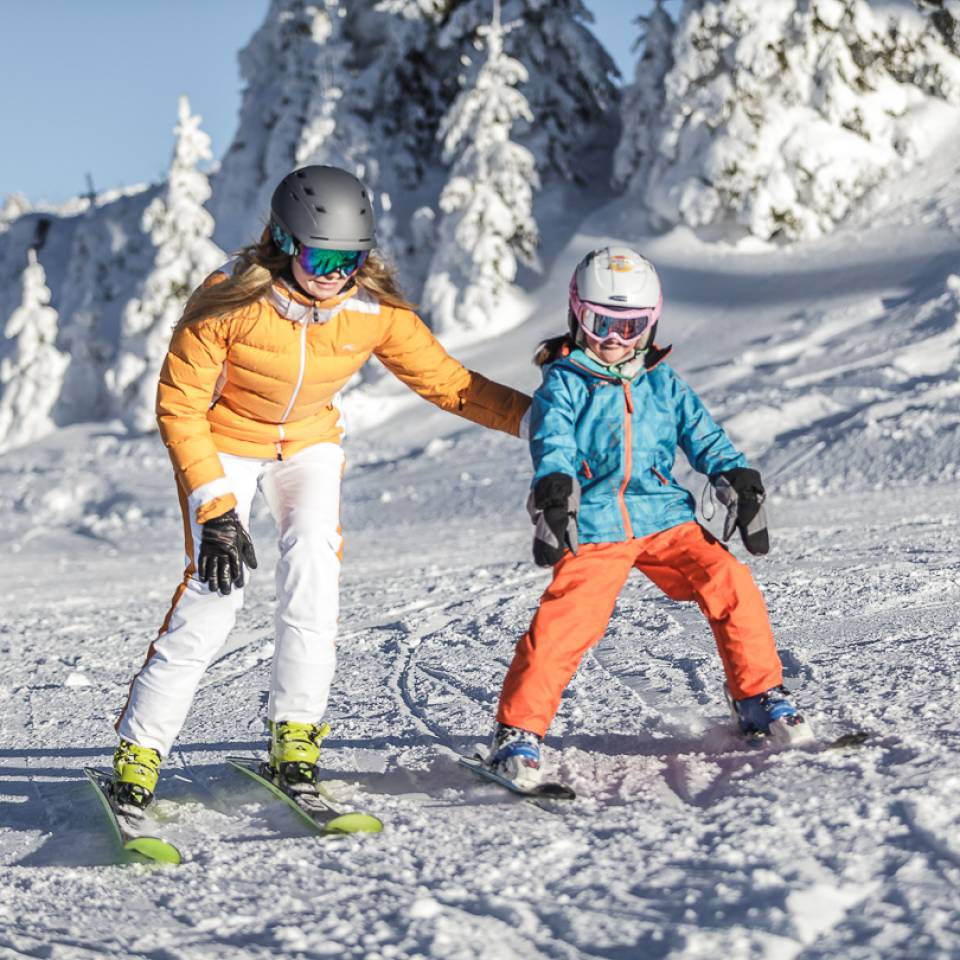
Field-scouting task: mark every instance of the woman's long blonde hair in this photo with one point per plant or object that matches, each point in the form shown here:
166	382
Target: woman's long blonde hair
257	268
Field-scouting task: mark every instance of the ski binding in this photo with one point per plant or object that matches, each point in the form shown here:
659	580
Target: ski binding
548	790
130	824
308	801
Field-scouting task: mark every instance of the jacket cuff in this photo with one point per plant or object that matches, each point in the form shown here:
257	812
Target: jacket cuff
212	499
216	508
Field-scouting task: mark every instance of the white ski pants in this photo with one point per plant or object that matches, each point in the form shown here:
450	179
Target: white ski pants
303	494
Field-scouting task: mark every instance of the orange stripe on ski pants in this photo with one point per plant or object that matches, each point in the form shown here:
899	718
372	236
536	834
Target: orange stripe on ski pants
177	594
687	563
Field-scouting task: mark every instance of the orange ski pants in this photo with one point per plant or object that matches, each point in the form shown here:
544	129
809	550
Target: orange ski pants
687	563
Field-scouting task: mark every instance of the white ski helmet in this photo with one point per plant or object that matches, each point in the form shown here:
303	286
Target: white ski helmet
615	294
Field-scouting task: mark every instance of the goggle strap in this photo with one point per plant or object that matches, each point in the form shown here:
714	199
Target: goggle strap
284	240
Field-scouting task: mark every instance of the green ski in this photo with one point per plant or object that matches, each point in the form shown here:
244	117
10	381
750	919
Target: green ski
131	825
310	804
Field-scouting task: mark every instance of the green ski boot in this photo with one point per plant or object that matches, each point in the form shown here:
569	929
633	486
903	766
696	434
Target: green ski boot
295	750
136	770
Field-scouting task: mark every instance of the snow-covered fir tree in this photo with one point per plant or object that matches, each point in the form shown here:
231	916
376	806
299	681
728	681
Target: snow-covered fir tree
365	85
945	17
89	291
569	85
298	109
487	221
781	115
642	100
31	375
14	205
179	229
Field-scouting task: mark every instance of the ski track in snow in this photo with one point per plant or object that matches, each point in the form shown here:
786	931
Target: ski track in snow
684	842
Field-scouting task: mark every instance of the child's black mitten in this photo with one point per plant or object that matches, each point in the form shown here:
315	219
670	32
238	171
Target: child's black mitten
553	506
741	491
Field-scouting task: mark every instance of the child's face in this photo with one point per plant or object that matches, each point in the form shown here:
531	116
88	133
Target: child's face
609	351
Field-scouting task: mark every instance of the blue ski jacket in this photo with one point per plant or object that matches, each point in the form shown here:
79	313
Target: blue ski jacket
619	439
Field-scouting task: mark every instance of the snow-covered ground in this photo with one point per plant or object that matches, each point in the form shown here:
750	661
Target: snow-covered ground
835	365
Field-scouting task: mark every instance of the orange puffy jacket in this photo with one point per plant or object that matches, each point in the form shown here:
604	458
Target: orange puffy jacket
262	381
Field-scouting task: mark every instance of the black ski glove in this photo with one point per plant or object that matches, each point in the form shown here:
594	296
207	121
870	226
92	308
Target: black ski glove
553	506
741	491
224	548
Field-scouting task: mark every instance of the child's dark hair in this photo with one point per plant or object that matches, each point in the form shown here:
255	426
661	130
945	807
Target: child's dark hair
553	349
556	347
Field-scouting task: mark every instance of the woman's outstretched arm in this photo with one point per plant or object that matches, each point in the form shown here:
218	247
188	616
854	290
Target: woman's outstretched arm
413	354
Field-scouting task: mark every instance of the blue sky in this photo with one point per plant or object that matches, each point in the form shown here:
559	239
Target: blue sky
92	86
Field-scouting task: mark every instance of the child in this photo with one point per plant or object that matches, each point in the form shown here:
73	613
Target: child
604	431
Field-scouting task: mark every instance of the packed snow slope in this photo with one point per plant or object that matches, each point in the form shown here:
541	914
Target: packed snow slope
834	365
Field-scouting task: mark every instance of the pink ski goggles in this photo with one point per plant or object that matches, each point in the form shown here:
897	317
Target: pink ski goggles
623	325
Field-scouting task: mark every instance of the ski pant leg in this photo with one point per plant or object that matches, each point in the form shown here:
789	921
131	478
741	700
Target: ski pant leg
194	630
573	615
303	494
687	563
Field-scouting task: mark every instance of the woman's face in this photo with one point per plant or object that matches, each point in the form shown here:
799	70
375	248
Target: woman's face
320	288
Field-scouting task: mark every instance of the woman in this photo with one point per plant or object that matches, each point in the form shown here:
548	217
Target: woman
247	398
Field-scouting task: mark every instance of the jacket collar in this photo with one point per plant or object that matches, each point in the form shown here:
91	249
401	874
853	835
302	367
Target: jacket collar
579	358
295	306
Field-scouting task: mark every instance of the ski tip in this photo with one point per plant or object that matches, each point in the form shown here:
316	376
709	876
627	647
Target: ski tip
856	738
353	823
554	791
155	849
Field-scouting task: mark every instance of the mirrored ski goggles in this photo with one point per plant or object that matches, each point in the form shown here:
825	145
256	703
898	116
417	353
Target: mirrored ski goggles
317	262
626	326
323	263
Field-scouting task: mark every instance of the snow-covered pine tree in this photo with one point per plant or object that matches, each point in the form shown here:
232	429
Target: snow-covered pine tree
569	85
30	377
297	109
87	292
403	83
179	229
945	17
642	101
14	205
487	221
365	84
781	115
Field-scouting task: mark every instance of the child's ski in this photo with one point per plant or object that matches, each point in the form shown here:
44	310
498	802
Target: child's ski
132	826
548	790
308	802
856	738
846	741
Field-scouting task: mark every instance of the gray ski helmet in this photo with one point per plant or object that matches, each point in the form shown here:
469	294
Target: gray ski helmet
323	207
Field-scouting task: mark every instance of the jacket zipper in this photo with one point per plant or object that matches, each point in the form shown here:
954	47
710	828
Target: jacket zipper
296	389
628	457
660	476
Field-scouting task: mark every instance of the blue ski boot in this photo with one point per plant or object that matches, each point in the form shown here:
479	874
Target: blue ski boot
771	714
515	755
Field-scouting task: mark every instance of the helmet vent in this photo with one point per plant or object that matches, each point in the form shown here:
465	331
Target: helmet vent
308	191
320	209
